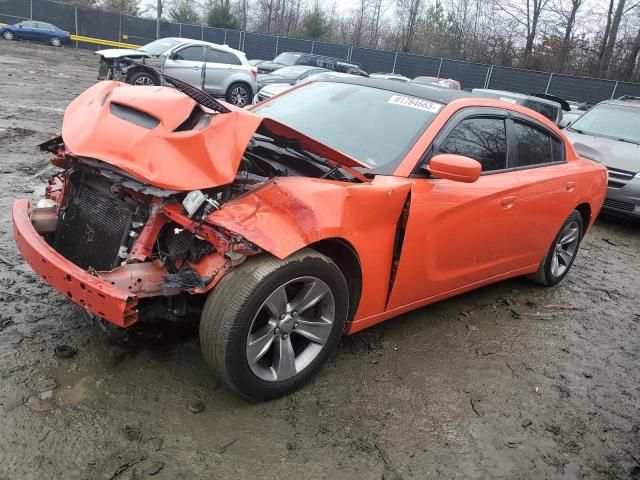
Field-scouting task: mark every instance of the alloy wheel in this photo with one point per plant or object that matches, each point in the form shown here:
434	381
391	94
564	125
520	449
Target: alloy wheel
143	80
239	96
8	35
290	329
565	249
55	42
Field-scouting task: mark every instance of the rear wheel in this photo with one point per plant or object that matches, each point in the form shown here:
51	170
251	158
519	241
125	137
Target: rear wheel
55	41
143	78
559	259
8	35
238	94
270	324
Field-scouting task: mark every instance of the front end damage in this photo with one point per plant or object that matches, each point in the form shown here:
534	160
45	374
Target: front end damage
133	225
121	251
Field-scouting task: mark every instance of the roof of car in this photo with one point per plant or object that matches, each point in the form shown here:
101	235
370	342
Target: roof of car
514	95
427	92
202	42
625	100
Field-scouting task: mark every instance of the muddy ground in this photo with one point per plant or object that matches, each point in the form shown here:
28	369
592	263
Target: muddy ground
511	381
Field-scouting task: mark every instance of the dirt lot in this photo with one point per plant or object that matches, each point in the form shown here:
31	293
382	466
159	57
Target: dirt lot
511	381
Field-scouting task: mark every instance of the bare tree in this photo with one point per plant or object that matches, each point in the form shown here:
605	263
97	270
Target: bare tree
408	12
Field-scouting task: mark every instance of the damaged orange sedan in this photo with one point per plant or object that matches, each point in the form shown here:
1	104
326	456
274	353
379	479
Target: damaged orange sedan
322	211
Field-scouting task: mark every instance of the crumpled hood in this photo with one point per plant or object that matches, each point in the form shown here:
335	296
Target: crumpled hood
133	129
611	153
121	53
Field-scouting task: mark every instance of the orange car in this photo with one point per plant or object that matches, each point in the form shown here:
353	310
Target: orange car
327	209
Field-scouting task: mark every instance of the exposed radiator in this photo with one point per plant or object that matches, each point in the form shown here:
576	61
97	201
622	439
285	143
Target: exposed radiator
93	228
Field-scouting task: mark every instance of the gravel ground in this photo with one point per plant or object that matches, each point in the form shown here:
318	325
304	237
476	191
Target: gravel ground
510	381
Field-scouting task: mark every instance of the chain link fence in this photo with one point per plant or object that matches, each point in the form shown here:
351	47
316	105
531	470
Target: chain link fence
123	28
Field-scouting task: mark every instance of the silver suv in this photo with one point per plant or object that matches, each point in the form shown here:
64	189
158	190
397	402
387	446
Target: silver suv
217	69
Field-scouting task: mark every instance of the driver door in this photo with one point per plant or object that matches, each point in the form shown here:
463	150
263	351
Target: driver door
186	64
460	234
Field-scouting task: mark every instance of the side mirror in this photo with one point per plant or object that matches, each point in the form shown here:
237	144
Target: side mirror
454	167
20	26
564	124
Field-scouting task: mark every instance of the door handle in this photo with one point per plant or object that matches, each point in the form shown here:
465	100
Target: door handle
507	202
571	186
196	68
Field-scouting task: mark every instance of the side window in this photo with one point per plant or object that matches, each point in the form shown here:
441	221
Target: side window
535	146
192	54
29	24
232	59
217	56
483	139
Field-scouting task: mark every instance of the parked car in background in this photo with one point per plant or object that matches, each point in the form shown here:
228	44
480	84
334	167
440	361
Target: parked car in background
272	89
550	109
333	207
36	31
609	133
287	59
438	82
569	117
217	69
288	75
389	76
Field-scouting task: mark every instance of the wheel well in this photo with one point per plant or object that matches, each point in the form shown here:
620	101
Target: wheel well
346	258
585	213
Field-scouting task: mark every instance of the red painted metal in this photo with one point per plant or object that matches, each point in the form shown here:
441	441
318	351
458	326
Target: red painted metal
114	304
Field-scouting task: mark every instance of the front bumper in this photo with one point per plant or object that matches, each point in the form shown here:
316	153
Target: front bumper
624	201
101	298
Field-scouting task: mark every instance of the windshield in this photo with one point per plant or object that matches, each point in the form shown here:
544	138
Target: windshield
375	126
158	47
611	121
287	58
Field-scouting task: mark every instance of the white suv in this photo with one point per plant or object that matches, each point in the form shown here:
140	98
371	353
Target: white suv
217	69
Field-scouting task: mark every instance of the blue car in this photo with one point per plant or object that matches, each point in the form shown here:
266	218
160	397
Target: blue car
36	31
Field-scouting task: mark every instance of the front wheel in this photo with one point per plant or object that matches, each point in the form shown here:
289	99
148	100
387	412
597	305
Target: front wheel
8	35
55	41
270	324
143	78
238	94
559	259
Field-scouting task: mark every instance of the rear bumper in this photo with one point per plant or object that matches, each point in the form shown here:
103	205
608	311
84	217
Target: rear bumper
101	298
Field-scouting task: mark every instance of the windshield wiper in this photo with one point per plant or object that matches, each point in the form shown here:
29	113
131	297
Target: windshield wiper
626	140
293	148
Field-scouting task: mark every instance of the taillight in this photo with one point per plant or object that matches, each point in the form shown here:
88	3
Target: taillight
254	72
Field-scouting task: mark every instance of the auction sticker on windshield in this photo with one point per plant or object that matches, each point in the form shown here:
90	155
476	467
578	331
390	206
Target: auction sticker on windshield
415	103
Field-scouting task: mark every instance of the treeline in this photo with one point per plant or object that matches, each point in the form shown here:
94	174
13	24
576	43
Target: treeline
599	38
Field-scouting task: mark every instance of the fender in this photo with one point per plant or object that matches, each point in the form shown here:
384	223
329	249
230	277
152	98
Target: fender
289	213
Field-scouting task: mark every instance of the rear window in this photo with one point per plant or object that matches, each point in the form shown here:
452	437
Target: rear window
287	58
536	146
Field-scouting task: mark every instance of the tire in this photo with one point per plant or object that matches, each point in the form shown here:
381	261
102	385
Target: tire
55	41
556	265
143	79
8	35
237	312
239	94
